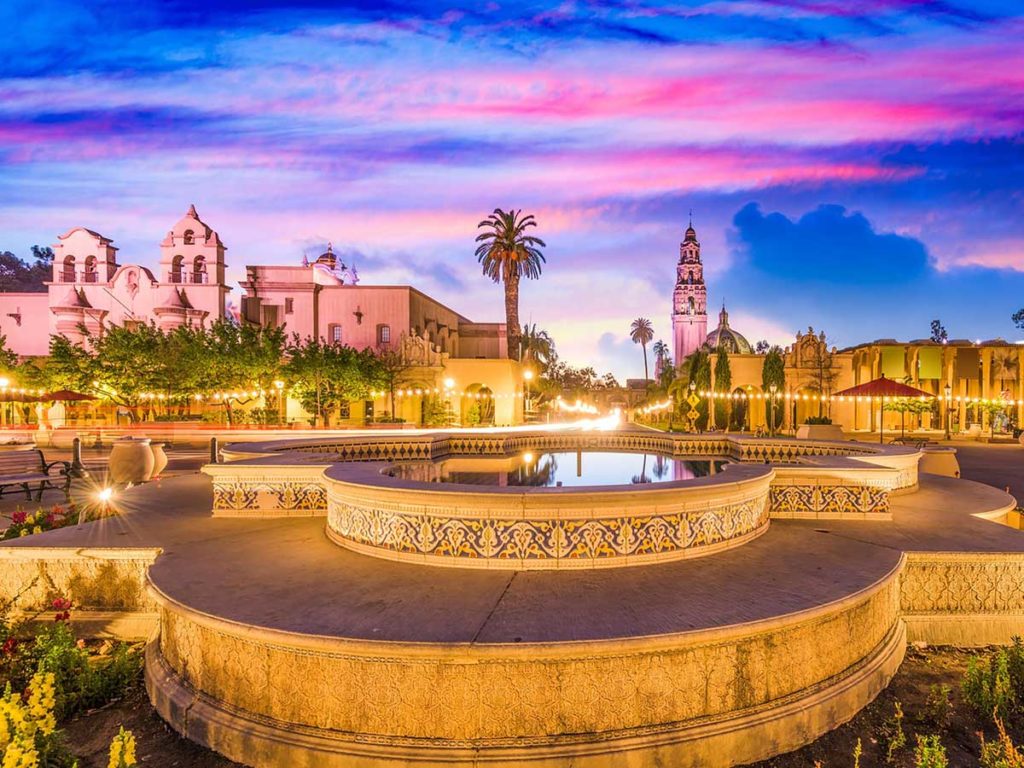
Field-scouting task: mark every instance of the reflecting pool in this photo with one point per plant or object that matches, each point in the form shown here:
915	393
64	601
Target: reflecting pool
560	469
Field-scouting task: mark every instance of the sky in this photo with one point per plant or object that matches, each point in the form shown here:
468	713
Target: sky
855	167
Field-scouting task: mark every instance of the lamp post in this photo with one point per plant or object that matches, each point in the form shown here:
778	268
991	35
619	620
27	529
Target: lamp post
527	378
449	385
4	384
949	399
771	401
693	421
281	412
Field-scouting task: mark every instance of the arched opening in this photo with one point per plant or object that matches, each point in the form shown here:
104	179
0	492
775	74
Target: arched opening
89	276
692	307
176	266
478	406
199	269
189	237
68	270
738	418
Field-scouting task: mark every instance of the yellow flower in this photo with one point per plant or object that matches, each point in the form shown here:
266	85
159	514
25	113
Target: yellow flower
21	753
41	701
37	529
122	750
23	532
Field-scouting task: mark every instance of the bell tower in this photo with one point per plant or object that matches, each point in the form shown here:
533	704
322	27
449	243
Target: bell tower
689	299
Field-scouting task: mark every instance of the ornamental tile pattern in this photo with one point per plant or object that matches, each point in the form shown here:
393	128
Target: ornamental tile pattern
945	584
505	539
258	494
828	499
391	695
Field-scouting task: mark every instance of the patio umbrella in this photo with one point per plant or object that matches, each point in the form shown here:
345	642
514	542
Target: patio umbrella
881	388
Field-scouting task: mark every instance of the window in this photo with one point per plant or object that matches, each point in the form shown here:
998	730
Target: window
334	333
289	306
190	237
383	334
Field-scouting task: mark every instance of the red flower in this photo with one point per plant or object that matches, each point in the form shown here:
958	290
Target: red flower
8	646
19	516
61	604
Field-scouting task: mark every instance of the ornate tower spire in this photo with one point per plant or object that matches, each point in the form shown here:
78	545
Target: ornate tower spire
689	299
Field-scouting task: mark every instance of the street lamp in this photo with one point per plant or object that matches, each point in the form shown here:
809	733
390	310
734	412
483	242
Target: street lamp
949	400
281	413
771	402
527	378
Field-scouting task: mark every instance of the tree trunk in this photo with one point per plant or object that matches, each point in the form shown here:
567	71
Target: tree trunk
644	347
513	330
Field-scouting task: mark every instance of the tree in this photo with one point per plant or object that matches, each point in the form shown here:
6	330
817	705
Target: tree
324	375
393	368
773	373
905	405
641	332
699	367
508	254
762	347
723	385
17	275
536	347
939	335
236	358
1018	318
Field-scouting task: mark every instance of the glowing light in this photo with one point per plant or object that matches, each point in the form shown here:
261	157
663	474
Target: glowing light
105	495
527	458
528	374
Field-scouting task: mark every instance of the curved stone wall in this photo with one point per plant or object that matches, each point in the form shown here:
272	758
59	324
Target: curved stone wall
711	697
544	527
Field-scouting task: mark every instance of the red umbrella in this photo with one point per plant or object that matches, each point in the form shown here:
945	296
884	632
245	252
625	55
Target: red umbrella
882	388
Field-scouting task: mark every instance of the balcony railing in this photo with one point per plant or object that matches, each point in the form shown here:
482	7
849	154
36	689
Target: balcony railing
67	276
90	277
196	278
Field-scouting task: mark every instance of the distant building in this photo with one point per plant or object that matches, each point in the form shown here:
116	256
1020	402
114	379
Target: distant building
689	299
90	291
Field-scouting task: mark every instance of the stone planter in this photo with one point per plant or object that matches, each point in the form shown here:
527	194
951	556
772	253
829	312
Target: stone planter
939	461
159	459
131	460
820	432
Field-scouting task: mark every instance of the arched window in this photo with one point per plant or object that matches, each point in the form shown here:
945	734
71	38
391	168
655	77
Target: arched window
176	264
68	270
199	270
693	307
189	237
89	276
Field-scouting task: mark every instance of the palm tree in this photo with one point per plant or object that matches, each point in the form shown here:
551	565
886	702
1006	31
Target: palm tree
536	346
506	254
641	333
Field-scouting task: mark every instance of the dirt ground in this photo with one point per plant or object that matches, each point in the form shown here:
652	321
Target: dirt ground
157	745
910	687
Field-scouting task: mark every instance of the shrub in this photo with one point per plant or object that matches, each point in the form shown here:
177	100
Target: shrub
938	706
817	420
994	688
930	753
1002	753
893	736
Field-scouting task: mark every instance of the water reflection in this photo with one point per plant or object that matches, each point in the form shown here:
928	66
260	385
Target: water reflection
544	469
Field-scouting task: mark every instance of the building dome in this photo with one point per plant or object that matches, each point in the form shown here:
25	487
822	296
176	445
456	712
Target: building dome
724	336
328	258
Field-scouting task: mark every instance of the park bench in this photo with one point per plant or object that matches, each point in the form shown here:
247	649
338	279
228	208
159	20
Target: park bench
26	470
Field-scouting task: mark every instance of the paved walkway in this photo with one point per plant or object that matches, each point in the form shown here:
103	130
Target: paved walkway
286	574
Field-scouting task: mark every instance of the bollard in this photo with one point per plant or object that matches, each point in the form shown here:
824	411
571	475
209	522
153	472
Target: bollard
77	467
213	450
